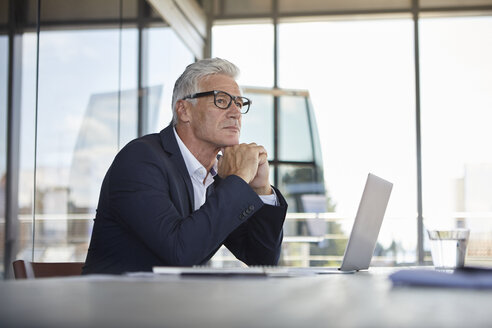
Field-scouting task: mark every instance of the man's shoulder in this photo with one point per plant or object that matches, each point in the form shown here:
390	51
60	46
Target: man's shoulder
148	141
140	157
141	149
150	148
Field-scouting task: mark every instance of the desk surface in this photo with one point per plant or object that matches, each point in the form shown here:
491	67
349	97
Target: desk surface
364	299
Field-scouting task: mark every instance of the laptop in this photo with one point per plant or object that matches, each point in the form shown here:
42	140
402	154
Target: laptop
365	231
359	250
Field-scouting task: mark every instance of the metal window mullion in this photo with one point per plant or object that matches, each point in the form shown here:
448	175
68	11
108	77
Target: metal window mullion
311	137
36	112
275	98
120	40
420	218
141	124
12	223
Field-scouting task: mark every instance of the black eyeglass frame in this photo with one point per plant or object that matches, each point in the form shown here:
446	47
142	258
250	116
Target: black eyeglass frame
245	104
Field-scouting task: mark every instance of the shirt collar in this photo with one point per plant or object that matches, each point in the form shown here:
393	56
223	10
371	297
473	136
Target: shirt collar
194	167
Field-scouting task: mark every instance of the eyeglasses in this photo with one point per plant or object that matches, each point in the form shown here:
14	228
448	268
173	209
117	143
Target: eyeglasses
223	100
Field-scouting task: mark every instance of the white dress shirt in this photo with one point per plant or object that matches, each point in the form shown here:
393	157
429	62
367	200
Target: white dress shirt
201	180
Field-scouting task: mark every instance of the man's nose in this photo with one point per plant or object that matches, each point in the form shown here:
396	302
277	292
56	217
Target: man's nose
234	110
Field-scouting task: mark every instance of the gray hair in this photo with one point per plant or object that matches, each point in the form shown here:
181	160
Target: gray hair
188	82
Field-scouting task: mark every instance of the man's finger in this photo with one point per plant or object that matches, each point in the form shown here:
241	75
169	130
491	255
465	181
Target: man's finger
262	158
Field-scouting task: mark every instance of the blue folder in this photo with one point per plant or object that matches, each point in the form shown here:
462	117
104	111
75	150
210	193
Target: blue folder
468	277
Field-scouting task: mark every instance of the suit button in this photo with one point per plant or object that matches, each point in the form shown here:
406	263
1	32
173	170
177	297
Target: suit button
249	209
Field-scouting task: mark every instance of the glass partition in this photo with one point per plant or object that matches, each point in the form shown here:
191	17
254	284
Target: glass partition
295	133
257	124
456	134
359	75
250	47
166	58
94	73
27	147
86	111
296	169
362	89
80	103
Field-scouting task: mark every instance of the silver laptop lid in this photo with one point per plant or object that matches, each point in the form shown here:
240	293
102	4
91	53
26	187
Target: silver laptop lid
365	231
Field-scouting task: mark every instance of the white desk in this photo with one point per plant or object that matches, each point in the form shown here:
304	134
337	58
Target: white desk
364	299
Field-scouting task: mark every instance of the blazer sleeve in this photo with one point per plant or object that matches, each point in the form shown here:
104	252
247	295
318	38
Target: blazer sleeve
145	194
258	241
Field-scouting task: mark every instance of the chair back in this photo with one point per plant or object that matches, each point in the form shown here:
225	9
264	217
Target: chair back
32	270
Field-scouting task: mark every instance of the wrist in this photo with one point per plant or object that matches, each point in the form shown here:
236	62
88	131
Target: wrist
266	190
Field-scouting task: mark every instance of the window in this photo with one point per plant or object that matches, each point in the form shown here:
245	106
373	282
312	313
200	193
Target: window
351	80
26	145
86	112
250	47
294	116
167	58
456	135
360	75
358	81
257	124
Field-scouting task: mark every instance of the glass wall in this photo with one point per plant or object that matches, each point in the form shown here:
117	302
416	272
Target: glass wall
27	146
260	115
358	86
79	105
293	117
167	57
360	75
361	78
250	47
86	111
456	134
295	158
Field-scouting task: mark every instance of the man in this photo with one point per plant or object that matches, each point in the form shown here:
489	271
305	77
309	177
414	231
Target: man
167	201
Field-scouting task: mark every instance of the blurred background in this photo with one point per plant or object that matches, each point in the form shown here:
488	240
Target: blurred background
401	89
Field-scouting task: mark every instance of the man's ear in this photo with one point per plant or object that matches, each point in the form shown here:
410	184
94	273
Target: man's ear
183	110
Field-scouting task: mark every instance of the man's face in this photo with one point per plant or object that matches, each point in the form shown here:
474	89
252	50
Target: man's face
211	125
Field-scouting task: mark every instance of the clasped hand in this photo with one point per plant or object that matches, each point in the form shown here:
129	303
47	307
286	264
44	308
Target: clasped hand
250	163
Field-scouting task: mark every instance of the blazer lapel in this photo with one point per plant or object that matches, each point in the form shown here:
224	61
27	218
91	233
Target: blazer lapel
170	145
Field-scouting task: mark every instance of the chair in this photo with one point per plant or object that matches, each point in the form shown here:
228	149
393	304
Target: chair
32	270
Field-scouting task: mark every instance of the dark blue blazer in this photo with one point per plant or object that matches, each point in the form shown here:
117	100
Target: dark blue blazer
145	214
